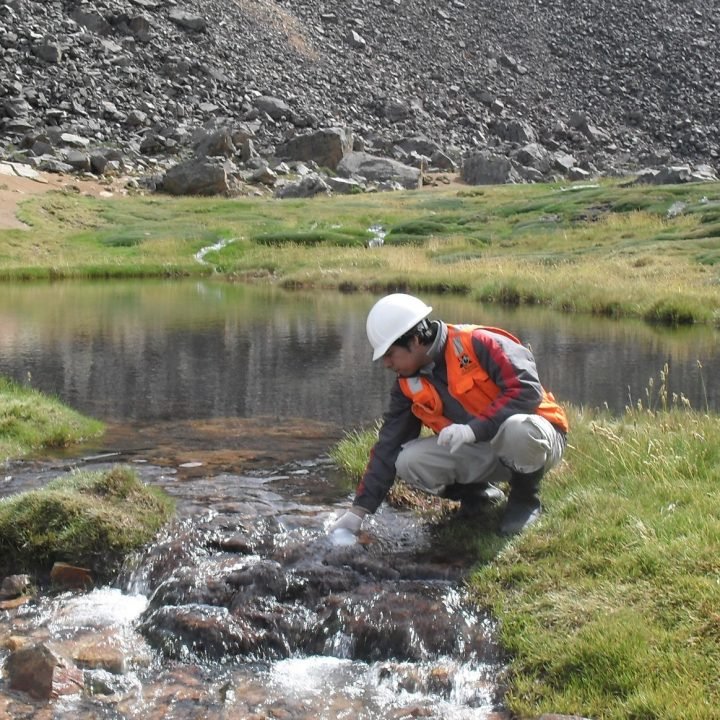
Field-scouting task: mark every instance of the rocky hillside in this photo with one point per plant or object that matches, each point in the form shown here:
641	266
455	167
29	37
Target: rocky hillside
616	84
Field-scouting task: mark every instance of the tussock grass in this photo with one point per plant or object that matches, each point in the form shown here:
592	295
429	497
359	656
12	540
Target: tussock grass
310	238
609	607
30	420
88	519
609	250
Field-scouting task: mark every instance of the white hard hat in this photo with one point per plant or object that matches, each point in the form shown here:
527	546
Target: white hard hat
391	317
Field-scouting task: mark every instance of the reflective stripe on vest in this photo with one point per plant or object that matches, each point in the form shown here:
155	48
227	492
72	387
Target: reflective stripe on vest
468	383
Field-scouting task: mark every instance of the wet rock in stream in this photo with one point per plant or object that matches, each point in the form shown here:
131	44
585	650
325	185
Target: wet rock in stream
280	593
244	608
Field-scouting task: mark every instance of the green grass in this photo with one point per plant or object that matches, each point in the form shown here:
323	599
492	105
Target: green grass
609	250
310	238
610	606
30	421
87	519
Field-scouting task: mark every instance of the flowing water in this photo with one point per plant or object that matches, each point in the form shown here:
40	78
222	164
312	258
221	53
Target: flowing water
245	609
229	397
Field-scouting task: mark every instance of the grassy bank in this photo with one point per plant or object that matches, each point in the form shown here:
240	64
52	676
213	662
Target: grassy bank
609	607
30	421
607	249
89	519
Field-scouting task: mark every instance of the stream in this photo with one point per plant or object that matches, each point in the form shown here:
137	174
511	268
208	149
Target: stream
244	609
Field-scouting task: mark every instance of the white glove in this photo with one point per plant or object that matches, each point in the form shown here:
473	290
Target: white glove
350	520
455	436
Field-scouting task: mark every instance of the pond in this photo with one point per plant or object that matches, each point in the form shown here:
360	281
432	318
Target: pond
150	350
229	397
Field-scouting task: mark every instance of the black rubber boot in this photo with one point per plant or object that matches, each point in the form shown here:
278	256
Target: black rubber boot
475	498
523	507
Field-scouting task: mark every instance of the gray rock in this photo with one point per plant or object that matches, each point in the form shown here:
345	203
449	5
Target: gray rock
676	174
141	29
40	147
136	117
326	147
187	20
378	169
515	131
308	186
534	156
78	160
50	52
396	110
272	106
16	107
248	151
419	144
355	40
198	177
578	173
265	176
485	168
443	162
98	163
562	161
73	140
92	21
344	186
53	165
215	144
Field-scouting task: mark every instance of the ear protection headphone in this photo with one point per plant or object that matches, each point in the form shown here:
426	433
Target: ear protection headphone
425	331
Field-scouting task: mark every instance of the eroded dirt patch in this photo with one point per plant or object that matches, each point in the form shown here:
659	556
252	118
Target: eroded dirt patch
15	190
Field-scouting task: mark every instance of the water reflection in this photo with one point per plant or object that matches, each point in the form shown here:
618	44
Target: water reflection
155	350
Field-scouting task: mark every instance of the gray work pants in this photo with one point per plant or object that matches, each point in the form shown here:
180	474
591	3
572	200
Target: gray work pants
523	444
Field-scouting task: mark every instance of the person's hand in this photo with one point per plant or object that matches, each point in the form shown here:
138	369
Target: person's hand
455	436
350	520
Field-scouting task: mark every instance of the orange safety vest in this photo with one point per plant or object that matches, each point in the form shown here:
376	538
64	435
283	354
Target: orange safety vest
468	383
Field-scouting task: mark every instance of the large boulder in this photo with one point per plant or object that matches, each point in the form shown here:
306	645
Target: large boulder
485	168
676	174
201	176
326	147
378	169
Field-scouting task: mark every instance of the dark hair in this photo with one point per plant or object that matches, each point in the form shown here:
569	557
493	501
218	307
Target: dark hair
425	331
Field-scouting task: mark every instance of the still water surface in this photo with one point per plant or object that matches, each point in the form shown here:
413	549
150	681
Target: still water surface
156	350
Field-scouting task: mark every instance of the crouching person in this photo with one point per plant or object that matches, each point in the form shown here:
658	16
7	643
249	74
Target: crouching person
478	389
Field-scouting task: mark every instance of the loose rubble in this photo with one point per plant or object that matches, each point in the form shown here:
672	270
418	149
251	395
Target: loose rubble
263	96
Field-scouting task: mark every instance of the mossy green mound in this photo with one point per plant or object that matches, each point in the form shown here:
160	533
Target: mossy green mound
89	519
30	420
